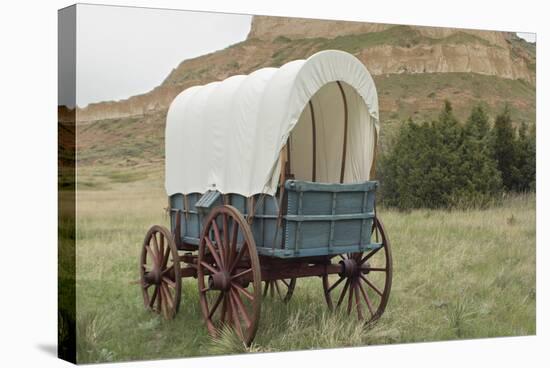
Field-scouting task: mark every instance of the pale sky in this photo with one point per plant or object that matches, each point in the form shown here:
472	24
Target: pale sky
125	51
529	37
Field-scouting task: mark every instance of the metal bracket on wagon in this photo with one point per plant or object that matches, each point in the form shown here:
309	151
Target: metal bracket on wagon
207	201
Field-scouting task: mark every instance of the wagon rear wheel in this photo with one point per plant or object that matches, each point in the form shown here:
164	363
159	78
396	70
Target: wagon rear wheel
282	289
365	283
159	268
228	274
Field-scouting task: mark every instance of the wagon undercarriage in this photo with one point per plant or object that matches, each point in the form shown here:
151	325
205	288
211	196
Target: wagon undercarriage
315	266
230	274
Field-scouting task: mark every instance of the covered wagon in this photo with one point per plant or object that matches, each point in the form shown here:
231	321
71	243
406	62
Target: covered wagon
270	178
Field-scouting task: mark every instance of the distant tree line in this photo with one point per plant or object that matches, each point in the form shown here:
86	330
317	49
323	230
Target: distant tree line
446	163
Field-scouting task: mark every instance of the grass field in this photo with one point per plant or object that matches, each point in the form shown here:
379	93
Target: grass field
457	275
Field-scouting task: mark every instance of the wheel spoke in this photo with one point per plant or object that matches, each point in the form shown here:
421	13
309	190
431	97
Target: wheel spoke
218	243
366	297
216	304
234	238
153	297
236	322
165	258
159	299
169	282
357	303
226	247
224	308
343	293
156	246
167	295
350	295
153	255
243	290
335	284
377	269
369	255
372	285
238	257
161	249
208	267
240	274
238	302
165	306
214	253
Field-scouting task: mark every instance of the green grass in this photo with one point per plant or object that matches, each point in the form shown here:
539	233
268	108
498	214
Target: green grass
457	274
126	176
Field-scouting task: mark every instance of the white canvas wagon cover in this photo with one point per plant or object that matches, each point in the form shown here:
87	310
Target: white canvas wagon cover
228	135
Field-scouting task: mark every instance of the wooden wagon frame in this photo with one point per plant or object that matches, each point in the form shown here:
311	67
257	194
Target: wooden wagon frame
314	218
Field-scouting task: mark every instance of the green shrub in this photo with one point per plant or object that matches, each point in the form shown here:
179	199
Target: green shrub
441	164
515	153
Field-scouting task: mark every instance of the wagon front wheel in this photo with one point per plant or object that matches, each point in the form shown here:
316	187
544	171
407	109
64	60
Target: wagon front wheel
363	287
159	268
228	273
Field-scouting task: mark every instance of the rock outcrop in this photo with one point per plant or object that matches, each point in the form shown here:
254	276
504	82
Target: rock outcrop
385	49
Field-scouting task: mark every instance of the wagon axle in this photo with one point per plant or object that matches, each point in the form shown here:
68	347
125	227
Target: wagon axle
350	267
221	280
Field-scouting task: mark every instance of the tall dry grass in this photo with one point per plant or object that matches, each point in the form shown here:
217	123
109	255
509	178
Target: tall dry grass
457	275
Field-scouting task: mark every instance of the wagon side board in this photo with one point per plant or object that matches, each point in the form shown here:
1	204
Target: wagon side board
321	219
264	226
326	219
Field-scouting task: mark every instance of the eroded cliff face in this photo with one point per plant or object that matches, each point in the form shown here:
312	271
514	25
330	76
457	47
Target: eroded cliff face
439	50
446	58
268	28
157	99
385	50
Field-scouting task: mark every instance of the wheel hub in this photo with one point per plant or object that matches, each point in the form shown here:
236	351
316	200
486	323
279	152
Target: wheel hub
219	281
154	276
349	268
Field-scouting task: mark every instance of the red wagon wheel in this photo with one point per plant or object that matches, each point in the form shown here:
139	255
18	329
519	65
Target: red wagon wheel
365	282
283	288
159	268
228	274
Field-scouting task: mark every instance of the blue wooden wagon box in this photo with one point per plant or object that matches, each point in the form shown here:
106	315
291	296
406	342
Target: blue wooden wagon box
270	178
321	219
